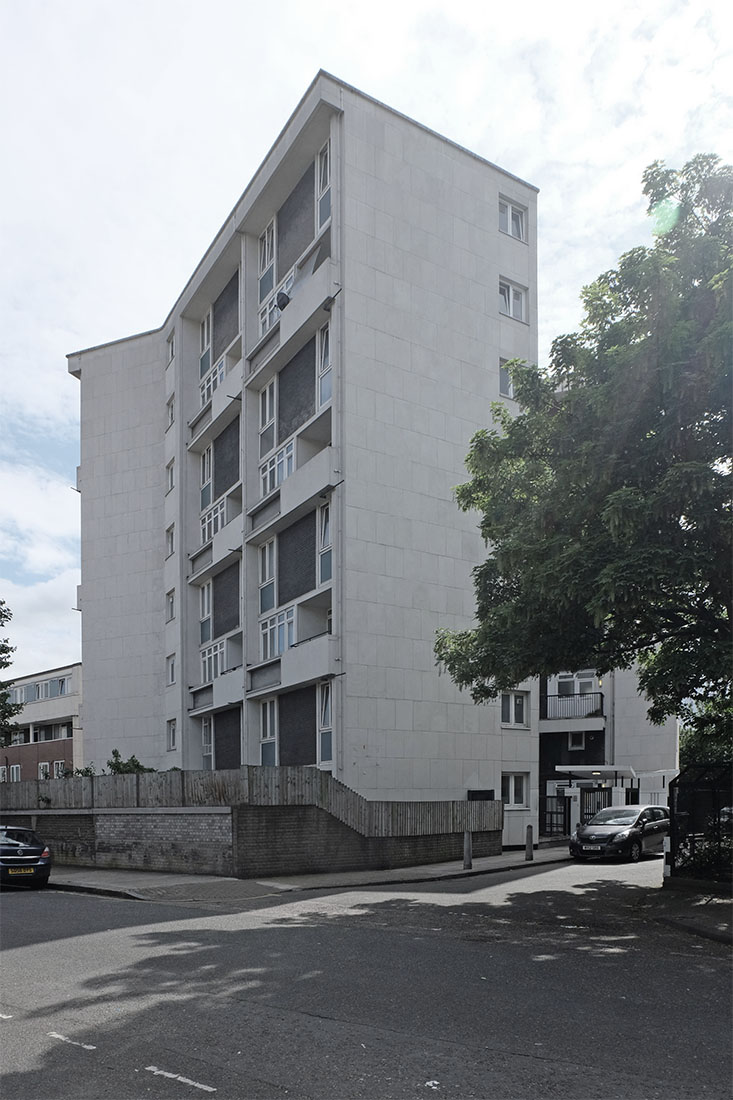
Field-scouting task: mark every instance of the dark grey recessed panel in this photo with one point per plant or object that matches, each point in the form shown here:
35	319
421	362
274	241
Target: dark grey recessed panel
297	735
296	559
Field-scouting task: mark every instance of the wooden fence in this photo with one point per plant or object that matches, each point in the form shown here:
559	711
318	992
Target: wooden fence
256	786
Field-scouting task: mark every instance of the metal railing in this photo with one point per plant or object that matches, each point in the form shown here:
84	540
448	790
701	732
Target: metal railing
589	705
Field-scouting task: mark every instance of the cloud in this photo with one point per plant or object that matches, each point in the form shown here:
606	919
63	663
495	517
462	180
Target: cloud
39	521
45	631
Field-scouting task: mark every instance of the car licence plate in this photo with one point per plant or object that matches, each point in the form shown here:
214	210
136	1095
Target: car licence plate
591	847
21	870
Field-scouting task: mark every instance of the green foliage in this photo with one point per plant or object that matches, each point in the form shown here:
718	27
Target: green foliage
8	710
706	736
606	502
132	766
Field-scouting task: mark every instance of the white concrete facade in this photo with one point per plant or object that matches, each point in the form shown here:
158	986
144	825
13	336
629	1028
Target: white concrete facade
218	626
49	739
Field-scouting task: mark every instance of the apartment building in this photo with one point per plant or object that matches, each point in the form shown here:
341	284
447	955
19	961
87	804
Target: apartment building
269	532
48	741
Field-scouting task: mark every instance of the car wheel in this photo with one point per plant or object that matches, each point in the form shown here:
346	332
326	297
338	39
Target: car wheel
635	851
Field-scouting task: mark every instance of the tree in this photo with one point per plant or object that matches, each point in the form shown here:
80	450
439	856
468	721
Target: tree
8	710
132	766
606	501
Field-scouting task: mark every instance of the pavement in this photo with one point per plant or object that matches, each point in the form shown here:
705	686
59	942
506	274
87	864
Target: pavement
697	911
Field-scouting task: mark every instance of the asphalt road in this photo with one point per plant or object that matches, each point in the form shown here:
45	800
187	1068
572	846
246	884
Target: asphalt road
539	983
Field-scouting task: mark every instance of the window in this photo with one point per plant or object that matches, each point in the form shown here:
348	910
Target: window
566	686
212	662
205	613
15	773
170	734
170	540
207	744
267	576
512	219
268	732
170	410
325	550
44	770
506	386
205	478
212	521
324	364
170	476
170	664
512	300
171	347
277	468
205	346
576	740
170	605
211	381
325	724
59	769
514	789
277	633
267	262
515	708
323	185
3	773
267	418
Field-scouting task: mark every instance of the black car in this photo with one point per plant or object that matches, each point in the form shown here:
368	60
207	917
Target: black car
628	831
24	859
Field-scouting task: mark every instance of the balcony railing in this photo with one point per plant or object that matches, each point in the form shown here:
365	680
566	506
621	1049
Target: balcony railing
589	705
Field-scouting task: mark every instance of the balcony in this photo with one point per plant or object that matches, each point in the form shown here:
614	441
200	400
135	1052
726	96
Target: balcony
565	712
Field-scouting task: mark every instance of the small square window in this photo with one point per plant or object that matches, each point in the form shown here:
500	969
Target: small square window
576	740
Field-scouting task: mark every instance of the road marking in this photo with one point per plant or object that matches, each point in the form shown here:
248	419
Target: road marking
4	1016
177	1077
64	1039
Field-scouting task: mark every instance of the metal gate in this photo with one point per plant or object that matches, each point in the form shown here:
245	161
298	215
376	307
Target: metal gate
592	800
554	815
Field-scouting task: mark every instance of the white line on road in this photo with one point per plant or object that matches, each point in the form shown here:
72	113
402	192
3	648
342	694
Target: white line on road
4	1016
177	1077
64	1039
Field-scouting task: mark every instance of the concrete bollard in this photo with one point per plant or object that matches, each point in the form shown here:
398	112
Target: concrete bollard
467	851
529	848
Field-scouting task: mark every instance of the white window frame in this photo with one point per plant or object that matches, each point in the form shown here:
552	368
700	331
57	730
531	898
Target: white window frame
15	773
512	802
512	300
205	345
205	622
171	347
517	700
277	468
170	667
266	268
324	382
512	217
506	386
269	729
207	742
325	544
270	311
170	605
213	520
170	541
212	662
323	186
266	573
211	381
205	477
3	773
170	476
44	769
325	722
277	633
170	735
59	769
267	404
170	406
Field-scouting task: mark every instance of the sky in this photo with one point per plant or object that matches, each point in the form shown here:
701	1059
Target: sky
129	131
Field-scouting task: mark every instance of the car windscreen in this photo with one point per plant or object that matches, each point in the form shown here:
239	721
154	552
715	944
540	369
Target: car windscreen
615	815
18	836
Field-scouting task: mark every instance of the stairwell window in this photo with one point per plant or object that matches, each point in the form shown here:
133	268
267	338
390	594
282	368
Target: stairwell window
170	735
325	724
170	541
267	418
267	261
171	668
512	300
268	732
323	182
512	219
267	576
325	548
170	476
205	613
324	364
205	345
506	386
207	744
205	478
